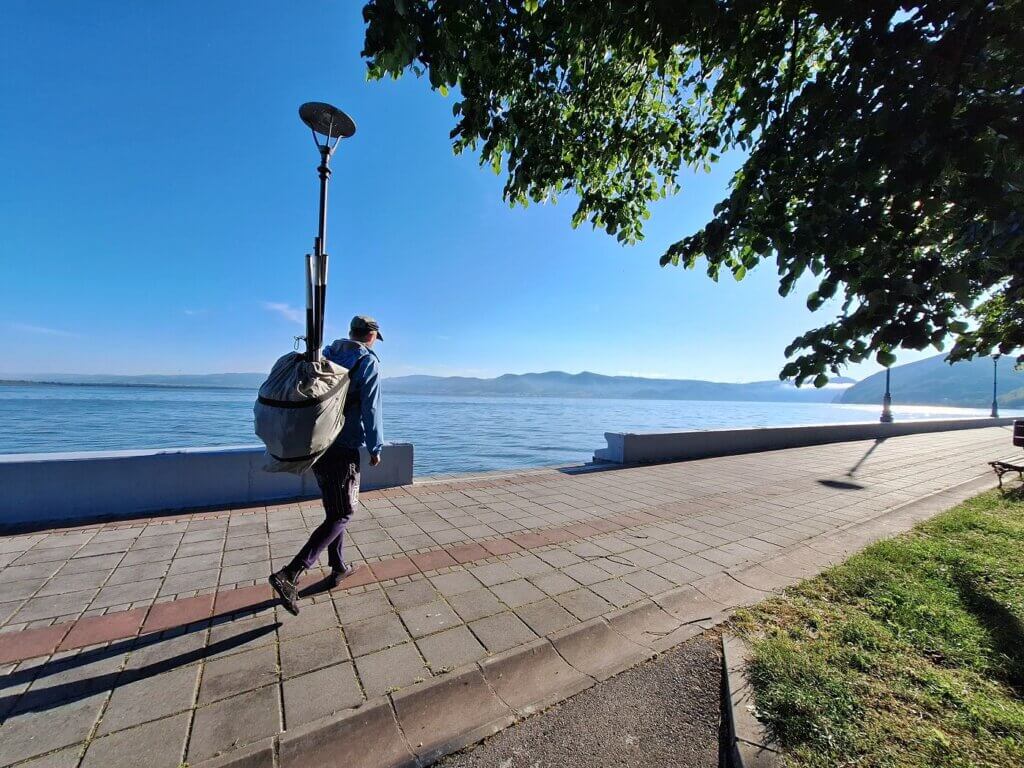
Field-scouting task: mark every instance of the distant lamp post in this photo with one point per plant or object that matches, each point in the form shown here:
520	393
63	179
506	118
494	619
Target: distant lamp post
886	417
995	372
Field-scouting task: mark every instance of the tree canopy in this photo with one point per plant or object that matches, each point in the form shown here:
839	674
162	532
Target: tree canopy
884	142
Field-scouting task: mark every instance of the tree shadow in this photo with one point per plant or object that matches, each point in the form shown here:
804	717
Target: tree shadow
1004	628
42	699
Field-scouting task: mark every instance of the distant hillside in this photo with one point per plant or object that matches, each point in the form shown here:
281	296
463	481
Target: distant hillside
935	382
560	384
232	380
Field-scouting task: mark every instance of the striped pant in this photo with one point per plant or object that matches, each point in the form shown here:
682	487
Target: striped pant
337	474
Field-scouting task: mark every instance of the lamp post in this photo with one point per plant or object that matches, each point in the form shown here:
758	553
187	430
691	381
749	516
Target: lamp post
995	371
886	417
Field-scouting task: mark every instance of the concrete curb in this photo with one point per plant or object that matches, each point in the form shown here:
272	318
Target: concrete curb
749	743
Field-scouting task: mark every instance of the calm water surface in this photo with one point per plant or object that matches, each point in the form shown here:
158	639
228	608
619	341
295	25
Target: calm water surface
450	434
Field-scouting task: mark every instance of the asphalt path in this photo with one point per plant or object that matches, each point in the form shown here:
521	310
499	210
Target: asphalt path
665	713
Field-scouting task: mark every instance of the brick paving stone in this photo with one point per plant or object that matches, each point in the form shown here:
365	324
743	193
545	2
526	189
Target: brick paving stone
465	553
232	574
65	758
159	744
180	583
228	636
247	556
237	673
545	617
68	677
35	733
375	633
320	694
74	582
618	593
313	618
322	649
103	548
56	555
585	573
411	594
135	573
698	564
155	652
476	604
529	565
178	613
501	631
194	563
233	723
242	599
207	543
145	698
583	603
432	561
19	590
101	629
135	557
87	564
8	609
393	569
554	583
559	558
161	541
353	608
123	594
450	649
71	603
500	546
455	583
518	592
391	669
647	582
429	618
493	573
675	573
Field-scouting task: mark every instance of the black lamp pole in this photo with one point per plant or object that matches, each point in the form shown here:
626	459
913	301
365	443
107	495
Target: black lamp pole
334	125
995	371
886	417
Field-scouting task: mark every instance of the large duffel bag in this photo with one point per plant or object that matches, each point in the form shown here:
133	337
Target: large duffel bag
299	411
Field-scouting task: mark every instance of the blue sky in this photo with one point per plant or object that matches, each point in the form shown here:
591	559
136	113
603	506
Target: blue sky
159	192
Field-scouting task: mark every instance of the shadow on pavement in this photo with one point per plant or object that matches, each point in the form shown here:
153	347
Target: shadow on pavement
853	470
841	485
42	699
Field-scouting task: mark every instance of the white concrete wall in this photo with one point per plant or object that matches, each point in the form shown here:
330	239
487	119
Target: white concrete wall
649	447
67	487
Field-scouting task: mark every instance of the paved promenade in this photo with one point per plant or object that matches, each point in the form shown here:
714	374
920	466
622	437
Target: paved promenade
155	642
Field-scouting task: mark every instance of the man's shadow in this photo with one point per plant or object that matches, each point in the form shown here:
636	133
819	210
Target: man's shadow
42	699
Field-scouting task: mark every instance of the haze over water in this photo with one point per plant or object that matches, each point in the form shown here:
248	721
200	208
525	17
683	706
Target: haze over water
450	434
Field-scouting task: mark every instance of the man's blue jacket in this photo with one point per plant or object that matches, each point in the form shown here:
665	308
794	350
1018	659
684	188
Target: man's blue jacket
363	424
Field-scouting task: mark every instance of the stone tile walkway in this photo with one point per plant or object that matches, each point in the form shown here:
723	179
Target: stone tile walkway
155	642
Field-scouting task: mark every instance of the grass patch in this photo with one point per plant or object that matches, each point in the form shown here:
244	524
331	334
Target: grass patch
911	653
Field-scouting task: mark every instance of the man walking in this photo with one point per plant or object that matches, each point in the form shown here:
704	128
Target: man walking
337	471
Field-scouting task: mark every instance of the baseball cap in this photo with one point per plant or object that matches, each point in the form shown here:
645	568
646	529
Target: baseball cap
362	324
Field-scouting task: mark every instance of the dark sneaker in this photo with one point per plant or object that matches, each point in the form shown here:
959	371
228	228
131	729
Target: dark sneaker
337	575
287	590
